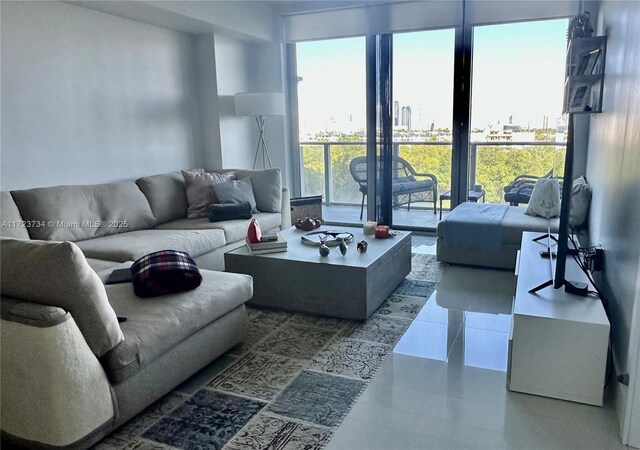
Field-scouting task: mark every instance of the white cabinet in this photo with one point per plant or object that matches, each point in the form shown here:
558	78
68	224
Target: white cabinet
558	344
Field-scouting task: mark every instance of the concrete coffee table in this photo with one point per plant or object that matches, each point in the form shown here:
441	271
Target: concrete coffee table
301	280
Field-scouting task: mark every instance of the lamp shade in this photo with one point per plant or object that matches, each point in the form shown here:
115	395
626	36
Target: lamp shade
259	104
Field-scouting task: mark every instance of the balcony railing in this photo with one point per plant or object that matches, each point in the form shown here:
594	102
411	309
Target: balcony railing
325	165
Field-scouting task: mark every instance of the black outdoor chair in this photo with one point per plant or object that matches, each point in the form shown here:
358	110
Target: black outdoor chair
519	189
405	188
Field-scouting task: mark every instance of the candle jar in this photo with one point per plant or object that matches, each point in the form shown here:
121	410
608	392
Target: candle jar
382	232
369	227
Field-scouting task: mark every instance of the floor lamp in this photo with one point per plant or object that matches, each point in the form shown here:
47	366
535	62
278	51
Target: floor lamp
260	105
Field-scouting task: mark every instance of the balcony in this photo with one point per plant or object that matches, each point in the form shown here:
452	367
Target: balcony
325	171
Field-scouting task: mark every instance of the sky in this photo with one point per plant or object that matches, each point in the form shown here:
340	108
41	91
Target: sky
518	71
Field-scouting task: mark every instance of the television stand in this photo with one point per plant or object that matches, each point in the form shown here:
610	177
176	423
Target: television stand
545	236
558	342
570	286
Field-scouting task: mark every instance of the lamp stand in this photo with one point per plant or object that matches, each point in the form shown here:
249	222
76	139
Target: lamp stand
262	144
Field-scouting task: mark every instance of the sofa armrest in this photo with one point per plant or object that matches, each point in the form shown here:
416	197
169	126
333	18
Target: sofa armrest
286	208
54	390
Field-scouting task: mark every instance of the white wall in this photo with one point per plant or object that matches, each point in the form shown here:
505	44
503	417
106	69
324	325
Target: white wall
208	99
234	73
88	97
613	169
268	77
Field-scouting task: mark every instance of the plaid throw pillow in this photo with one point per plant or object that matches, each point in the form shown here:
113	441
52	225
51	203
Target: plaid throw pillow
165	272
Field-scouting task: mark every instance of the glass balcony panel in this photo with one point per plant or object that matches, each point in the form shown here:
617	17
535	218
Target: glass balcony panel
313	170
425	158
498	165
344	189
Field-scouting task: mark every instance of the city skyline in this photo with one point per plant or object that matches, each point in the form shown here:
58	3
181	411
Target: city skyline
518	72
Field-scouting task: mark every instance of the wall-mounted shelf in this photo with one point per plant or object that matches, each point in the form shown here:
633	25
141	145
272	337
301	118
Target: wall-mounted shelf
584	75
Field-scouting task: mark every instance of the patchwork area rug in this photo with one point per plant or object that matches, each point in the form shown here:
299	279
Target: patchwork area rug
289	385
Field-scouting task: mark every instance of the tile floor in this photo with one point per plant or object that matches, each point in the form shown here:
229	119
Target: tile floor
444	385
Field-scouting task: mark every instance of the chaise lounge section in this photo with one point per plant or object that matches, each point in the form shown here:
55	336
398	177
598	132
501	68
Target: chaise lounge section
71	371
460	237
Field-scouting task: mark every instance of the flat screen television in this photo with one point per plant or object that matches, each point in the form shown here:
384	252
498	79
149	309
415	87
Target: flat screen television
562	250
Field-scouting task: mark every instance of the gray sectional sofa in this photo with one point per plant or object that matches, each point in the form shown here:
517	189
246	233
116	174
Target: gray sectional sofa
71	372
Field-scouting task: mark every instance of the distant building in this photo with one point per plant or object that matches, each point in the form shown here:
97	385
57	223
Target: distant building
406	117
561	129
396	113
499	134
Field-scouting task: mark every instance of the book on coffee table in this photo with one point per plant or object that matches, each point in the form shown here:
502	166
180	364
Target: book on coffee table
280	243
266	250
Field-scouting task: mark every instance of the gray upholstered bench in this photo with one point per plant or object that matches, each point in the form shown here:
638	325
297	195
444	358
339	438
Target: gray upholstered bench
467	242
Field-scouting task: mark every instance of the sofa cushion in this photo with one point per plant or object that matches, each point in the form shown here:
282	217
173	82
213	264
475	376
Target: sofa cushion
199	188
515	221
134	245
12	224
76	213
234	230
166	195
57	274
235	191
155	326
267	188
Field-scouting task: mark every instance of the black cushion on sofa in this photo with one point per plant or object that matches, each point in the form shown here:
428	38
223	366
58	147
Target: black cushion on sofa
229	211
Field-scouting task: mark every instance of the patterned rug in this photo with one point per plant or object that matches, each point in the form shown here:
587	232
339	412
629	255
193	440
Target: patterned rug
289	385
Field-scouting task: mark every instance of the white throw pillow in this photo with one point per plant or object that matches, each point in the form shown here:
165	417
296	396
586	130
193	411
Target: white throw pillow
580	199
545	199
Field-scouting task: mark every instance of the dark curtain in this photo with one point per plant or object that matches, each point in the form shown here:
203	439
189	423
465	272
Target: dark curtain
380	126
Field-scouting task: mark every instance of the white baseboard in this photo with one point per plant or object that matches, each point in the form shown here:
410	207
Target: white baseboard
620	393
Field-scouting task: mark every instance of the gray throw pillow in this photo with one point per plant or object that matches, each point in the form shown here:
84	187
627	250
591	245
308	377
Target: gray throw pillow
199	186
235	192
57	274
580	199
267	188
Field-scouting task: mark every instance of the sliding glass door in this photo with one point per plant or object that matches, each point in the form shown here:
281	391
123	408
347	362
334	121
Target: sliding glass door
331	84
331	88
469	112
422	123
517	127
